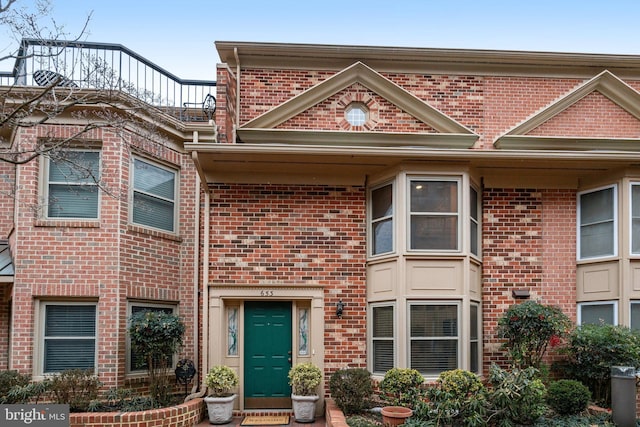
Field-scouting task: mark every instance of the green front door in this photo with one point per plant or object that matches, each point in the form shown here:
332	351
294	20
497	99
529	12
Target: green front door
267	356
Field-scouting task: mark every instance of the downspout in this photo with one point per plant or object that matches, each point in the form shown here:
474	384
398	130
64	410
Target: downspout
201	184
237	123
196	277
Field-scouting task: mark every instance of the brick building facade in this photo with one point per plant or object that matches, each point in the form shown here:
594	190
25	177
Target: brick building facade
359	207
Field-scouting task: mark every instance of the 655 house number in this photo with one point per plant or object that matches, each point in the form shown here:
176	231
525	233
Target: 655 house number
266	293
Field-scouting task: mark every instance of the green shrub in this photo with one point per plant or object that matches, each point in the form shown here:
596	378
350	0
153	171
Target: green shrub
351	389
157	336
9	380
592	350
304	379
76	387
516	397
457	399
529	327
402	387
220	380
568	397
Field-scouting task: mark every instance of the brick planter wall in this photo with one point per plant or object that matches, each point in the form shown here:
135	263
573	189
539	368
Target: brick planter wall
184	415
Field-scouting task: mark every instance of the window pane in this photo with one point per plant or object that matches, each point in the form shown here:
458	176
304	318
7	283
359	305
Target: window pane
64	325
434	321
75	167
434	196
596	240
474	238
596	206
473	319
382	203
473	358
73	201
70	320
137	362
635	316
383	322
382	355
434	232
430	357
597	313
153	212
61	354
383	237
473	202
635	219
153	197
154	180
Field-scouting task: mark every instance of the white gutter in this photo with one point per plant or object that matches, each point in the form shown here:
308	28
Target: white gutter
237	124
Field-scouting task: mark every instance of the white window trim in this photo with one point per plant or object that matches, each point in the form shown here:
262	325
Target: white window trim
459	331
44	187
176	194
130	306
39	343
614	303
393	305
615	223
393	217
408	213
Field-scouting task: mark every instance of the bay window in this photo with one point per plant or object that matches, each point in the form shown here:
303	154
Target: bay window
383	338
434	337
154	195
382	220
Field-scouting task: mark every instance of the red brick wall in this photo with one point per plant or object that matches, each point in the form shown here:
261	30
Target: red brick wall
109	262
593	116
528	243
297	235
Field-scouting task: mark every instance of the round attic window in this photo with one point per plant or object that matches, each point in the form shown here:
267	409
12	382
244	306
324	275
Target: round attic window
356	114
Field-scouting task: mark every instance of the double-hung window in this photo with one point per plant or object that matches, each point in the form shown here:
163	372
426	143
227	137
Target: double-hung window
382	337
474	222
433	215
136	362
154	195
72	184
68	335
382	220
597	234
434	337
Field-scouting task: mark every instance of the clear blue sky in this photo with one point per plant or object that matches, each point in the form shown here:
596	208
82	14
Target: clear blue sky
179	35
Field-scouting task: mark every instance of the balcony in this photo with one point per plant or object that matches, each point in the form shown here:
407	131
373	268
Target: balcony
85	65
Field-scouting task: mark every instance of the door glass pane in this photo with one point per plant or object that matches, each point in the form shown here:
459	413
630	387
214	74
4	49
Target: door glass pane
596	314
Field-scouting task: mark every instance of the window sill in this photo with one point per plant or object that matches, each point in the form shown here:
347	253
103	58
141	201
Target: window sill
71	223
152	232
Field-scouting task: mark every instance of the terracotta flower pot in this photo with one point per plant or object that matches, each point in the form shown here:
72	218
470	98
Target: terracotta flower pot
395	415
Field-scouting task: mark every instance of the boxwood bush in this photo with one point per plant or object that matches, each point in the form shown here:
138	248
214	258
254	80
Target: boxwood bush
568	397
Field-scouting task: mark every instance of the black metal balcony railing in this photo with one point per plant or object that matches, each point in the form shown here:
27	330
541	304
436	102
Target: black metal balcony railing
110	66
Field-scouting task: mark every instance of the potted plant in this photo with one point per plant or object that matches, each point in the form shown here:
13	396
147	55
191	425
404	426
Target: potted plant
304	380
220	380
400	389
